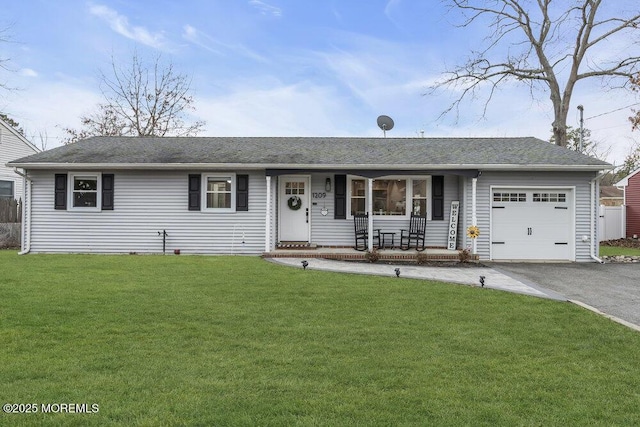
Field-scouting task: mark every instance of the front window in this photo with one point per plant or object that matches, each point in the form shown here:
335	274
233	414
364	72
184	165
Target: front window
85	191
358	196
6	189
390	197
219	192
395	197
419	205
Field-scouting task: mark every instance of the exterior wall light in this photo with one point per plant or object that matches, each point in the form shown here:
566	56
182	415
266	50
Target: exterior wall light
327	185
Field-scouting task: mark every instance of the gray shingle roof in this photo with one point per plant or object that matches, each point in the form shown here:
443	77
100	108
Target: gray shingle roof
316	152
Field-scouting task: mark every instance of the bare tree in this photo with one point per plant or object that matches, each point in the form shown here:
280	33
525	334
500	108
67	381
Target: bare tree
635	119
103	122
140	101
546	46
4	38
43	136
631	161
589	147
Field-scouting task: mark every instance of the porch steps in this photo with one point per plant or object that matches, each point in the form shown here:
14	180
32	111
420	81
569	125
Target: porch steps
296	245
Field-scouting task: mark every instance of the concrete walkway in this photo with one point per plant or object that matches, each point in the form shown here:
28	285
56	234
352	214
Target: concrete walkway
462	275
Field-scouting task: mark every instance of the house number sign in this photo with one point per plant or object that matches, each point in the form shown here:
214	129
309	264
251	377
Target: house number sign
319	195
452	235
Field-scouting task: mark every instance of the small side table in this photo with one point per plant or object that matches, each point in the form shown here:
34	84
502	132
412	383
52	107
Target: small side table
384	238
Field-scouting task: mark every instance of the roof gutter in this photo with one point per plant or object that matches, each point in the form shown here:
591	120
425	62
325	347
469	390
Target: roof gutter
594	205
308	167
26	213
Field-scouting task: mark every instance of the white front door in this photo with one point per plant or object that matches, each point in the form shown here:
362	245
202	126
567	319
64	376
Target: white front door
294	208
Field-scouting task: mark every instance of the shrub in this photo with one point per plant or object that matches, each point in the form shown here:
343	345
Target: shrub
464	255
372	256
422	259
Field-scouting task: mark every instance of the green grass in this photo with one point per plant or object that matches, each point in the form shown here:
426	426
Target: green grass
239	341
618	250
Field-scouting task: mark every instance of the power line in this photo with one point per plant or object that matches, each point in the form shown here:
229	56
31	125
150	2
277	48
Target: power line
613	111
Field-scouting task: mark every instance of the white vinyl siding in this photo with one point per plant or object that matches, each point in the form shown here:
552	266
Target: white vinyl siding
12	148
580	181
147	202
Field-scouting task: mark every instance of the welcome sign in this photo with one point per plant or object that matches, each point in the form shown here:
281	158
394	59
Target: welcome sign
452	235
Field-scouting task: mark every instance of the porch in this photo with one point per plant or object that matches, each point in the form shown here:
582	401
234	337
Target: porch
350	254
317	210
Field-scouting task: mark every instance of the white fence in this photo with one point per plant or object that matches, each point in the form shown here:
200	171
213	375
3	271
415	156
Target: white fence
611	223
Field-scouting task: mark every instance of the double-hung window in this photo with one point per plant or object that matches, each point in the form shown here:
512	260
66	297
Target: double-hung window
220	192
84	191
358	196
420	196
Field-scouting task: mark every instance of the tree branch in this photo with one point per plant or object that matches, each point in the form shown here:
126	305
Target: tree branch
545	39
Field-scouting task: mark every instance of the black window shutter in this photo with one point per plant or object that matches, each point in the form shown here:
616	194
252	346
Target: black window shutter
60	193
107	191
194	192
340	196
242	192
437	197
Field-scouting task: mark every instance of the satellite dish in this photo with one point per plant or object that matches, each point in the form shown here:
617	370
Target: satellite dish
385	123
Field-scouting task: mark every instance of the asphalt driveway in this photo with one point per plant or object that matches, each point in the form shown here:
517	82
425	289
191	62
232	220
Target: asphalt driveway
612	288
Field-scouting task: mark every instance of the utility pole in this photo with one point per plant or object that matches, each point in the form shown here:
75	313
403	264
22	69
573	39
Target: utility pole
581	109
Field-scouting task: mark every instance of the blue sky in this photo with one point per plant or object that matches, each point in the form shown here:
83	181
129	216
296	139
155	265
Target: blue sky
277	68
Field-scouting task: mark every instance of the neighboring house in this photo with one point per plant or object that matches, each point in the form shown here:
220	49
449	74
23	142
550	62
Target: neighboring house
12	146
631	187
611	196
531	200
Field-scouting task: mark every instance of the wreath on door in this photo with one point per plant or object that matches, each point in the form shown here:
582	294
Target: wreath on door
294	203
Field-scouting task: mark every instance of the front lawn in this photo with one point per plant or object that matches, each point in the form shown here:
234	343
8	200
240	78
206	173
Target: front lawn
188	340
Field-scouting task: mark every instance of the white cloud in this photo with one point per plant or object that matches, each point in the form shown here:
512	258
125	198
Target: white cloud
205	41
266	9
389	9
268	108
120	24
48	107
28	72
191	34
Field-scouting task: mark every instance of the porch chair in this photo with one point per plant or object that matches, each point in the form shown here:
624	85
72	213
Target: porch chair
361	228
415	233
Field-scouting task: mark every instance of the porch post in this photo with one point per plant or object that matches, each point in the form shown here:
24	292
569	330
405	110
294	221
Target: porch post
474	218
267	226
370	210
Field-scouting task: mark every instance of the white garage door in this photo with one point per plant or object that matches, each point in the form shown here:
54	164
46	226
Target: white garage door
532	224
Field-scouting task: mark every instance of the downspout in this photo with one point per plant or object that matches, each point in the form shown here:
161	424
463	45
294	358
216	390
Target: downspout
370	210
594	206
267	226
474	217
26	214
